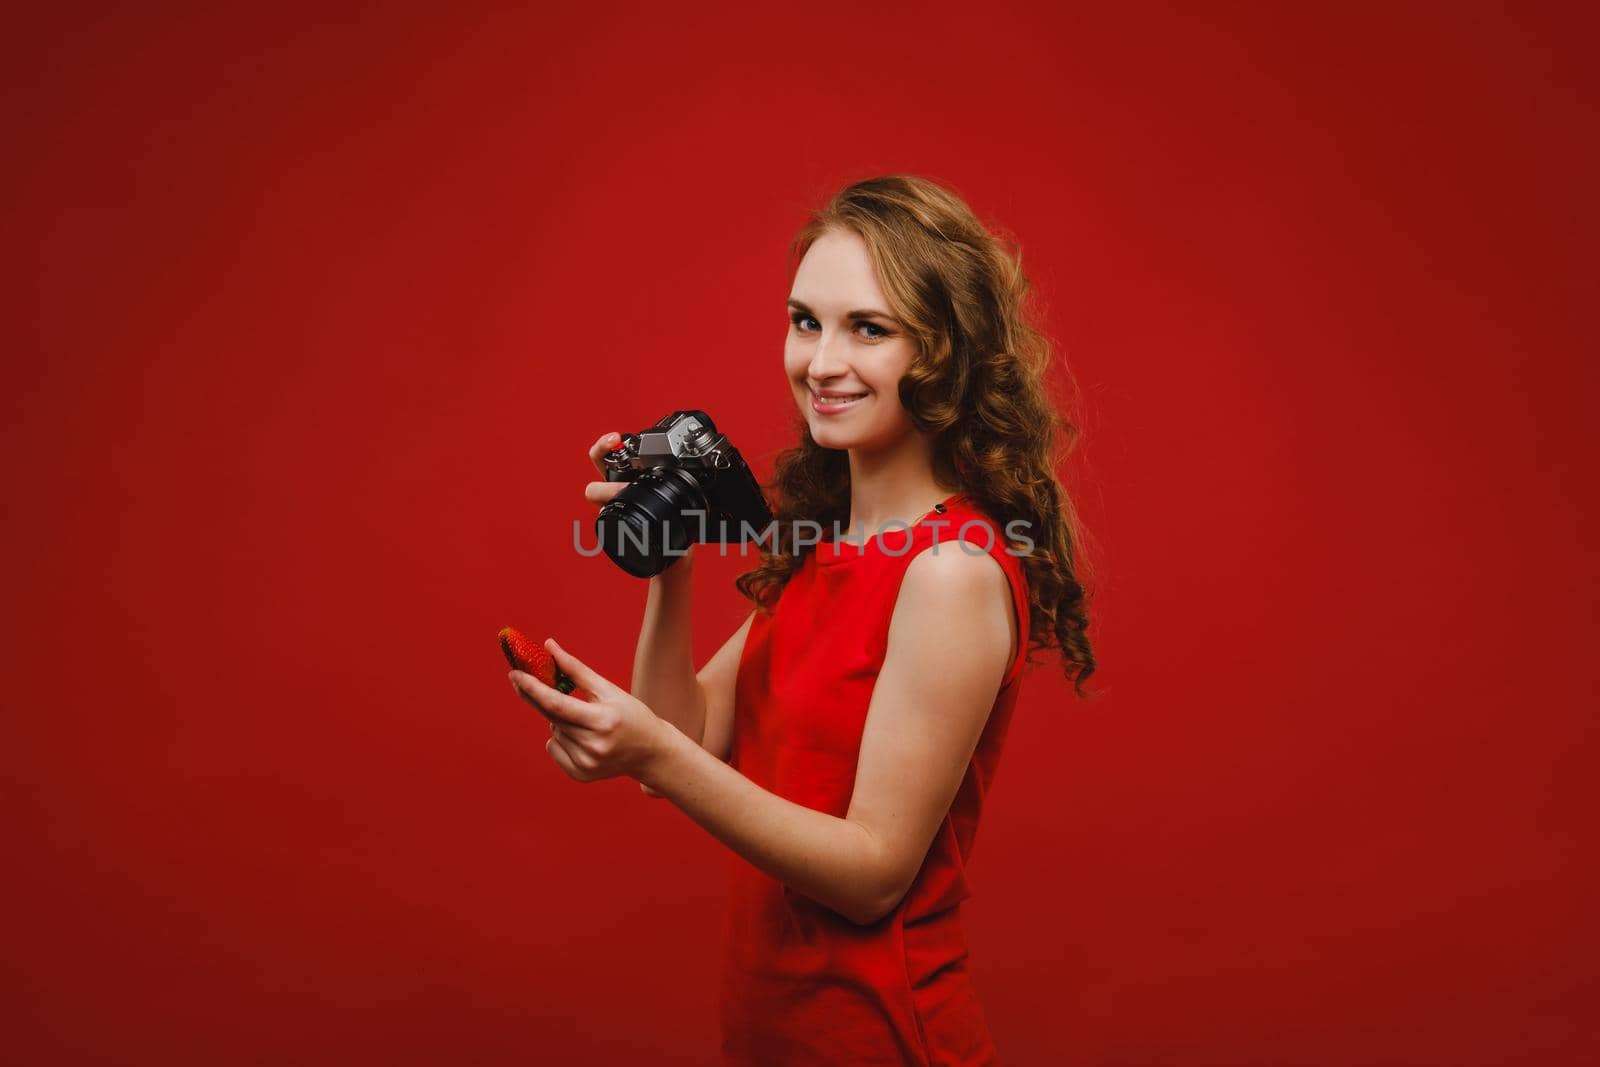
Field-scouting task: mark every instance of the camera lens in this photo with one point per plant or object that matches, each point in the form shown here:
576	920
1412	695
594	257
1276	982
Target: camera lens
644	529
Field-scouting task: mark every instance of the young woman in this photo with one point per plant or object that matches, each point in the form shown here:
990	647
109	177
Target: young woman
842	741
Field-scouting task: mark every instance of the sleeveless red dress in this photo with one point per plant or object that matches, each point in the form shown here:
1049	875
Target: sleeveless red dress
801	984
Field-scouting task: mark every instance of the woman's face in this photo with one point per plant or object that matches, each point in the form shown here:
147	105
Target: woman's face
843	340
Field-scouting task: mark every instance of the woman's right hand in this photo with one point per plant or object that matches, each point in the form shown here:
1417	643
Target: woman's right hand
600	493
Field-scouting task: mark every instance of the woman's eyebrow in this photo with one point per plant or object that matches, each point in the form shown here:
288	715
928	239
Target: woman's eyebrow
859	313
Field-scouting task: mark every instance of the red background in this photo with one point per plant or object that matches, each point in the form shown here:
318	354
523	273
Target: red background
319	310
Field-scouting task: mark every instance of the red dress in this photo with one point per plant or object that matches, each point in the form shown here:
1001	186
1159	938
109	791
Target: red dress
801	984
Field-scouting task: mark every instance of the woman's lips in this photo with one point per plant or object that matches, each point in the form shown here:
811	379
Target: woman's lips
833	406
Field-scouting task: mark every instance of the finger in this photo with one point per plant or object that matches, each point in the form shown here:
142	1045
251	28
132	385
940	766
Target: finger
559	708
605	444
579	671
577	754
558	752
552	703
600	492
527	697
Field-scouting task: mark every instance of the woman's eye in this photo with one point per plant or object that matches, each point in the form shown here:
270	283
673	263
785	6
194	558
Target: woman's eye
800	320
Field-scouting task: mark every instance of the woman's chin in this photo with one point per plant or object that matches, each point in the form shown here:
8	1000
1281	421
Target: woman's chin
828	435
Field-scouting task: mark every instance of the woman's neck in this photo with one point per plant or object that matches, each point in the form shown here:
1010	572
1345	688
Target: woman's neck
893	486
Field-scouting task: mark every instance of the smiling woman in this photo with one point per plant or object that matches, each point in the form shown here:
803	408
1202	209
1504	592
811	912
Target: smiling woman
875	685
842	740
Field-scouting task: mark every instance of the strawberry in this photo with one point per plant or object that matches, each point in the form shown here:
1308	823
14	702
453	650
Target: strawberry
526	656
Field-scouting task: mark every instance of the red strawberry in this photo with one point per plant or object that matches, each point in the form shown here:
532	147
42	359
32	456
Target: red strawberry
526	656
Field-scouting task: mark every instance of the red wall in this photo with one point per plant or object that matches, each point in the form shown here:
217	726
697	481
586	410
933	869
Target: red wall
317	314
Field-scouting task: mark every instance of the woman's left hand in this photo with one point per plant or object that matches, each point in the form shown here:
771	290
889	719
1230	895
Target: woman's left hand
610	735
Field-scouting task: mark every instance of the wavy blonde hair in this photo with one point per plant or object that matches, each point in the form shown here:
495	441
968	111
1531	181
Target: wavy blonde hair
977	386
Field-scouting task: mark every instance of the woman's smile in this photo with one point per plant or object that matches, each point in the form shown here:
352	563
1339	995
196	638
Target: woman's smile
834	403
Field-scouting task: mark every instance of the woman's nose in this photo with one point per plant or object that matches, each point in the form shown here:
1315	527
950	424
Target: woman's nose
826	358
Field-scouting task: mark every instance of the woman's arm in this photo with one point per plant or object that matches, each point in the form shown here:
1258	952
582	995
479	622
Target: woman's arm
663	667
832	861
719	679
949	645
663	662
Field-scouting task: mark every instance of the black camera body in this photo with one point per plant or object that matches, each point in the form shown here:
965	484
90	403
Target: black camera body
689	486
